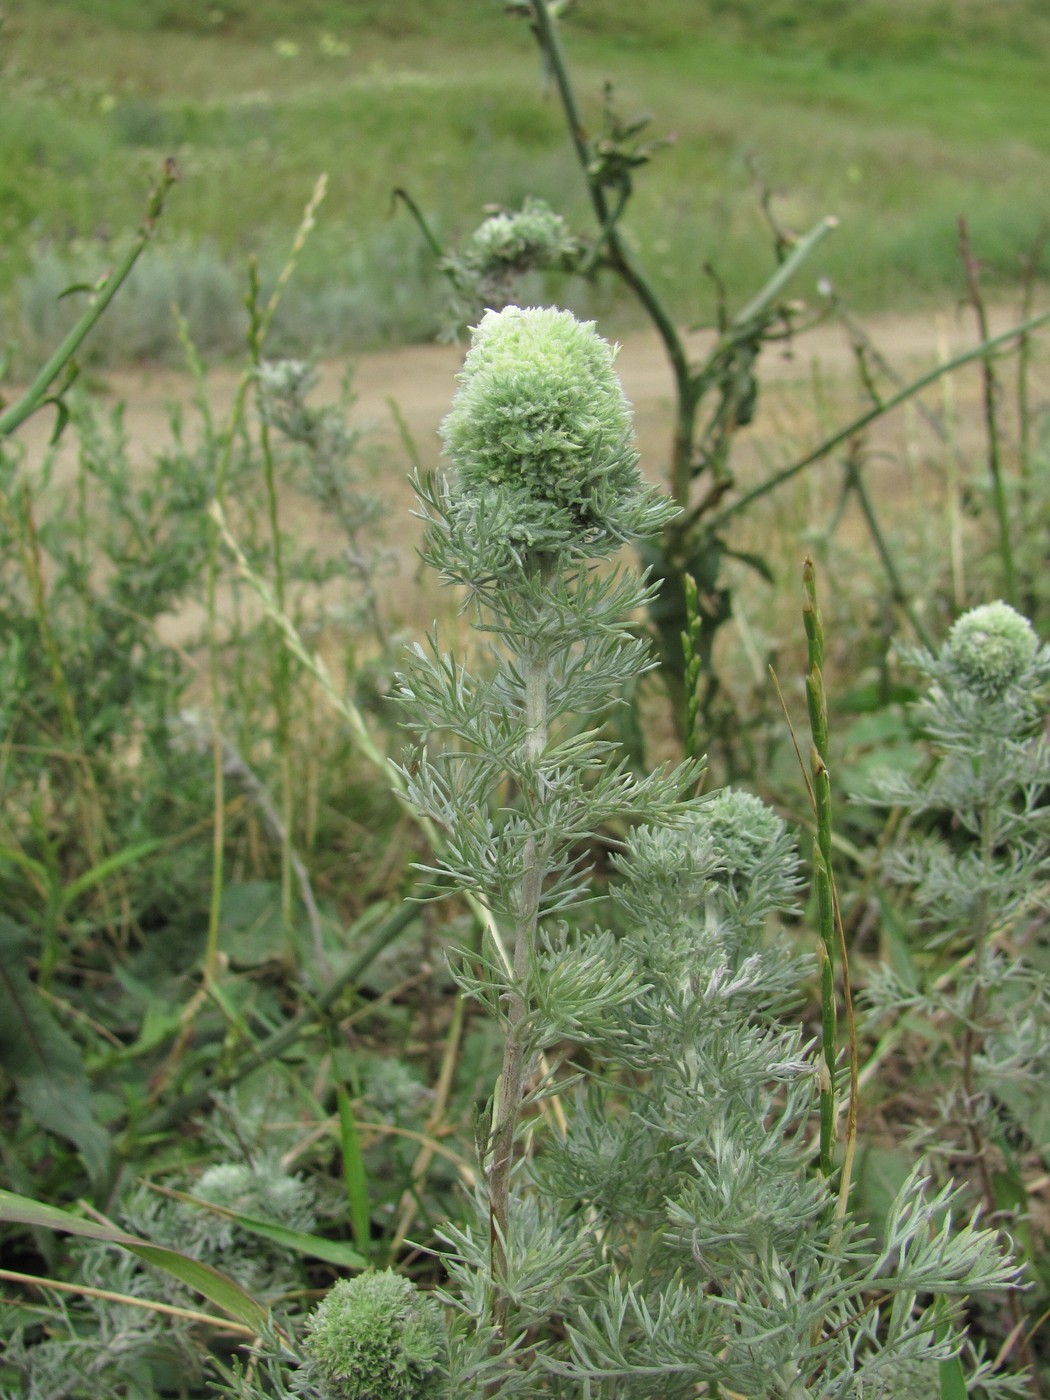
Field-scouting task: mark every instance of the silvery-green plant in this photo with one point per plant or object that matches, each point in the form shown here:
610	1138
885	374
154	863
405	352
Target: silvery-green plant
673	1238
975	864
333	465
546	486
375	1337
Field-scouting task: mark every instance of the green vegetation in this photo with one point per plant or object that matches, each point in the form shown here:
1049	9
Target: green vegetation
895	118
430	1020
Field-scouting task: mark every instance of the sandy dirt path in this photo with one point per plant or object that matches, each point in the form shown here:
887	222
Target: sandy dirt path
421	380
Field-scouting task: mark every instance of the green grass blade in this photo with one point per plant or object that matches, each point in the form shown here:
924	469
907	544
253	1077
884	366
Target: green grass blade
298	1241
210	1283
107	867
953	1382
354	1174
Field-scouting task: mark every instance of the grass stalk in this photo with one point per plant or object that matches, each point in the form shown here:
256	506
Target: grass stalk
953	487
1030	265
816	704
215	670
37	393
280	667
691	656
832	934
990	387
857	425
442	1090
83	1290
898	592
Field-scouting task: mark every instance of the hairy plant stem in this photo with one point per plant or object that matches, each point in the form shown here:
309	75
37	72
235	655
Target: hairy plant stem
971	1034
971	1044
536	672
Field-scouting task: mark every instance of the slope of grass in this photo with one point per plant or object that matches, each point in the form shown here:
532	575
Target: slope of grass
897	118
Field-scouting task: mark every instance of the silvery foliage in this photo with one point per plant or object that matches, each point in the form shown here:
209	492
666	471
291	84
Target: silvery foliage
976	865
98	1347
675	1239
334	463
678	1236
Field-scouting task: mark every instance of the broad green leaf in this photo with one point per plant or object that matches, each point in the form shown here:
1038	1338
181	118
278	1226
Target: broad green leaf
252	928
44	1062
202	1278
953	1381
354	1174
107	867
32	867
298	1241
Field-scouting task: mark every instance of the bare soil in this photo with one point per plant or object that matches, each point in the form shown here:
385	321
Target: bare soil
809	386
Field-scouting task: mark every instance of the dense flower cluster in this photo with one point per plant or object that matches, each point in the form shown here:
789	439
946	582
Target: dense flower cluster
990	647
530	237
540	430
376	1337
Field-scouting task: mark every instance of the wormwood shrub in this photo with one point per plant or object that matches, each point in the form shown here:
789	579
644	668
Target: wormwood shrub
968	978
647	1219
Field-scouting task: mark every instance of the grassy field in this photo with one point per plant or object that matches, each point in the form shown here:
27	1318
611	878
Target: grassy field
896	118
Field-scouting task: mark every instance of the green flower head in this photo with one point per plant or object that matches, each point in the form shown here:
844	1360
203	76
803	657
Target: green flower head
533	236
376	1337
742	829
540	424
990	647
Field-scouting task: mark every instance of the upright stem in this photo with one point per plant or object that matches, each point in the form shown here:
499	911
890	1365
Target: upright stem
536	671
37	393
991	397
818	721
619	255
280	660
972	1041
260	330
855	481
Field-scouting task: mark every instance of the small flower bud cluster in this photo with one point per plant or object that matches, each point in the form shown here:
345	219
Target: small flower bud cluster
531	237
990	648
376	1337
